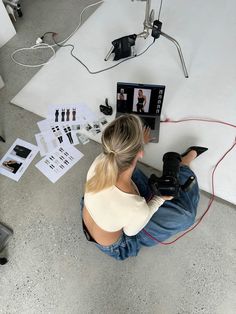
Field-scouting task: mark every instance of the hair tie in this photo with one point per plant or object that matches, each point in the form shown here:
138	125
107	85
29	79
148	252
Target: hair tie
111	152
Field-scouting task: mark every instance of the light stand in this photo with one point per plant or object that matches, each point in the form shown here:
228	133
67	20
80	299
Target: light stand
123	44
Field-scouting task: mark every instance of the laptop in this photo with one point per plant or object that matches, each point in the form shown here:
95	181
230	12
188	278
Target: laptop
145	100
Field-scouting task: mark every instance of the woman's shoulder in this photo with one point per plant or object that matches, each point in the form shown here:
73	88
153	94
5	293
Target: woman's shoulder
91	170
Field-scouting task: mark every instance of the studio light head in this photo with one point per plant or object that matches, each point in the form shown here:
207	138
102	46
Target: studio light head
121	47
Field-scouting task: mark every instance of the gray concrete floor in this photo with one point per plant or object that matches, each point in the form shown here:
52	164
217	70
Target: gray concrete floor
52	269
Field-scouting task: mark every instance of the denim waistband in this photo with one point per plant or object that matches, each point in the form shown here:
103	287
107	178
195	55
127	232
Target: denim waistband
112	246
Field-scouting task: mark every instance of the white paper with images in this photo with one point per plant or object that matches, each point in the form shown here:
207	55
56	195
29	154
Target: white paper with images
55	135
70	114
46	142
55	164
17	159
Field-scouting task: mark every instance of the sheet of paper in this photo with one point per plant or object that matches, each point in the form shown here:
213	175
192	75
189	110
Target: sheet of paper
55	164
54	135
17	159
70	114
46	142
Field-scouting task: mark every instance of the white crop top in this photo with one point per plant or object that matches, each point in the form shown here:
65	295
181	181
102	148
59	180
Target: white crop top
113	209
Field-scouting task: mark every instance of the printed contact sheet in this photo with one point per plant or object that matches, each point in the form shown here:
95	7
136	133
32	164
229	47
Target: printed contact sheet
53	135
57	163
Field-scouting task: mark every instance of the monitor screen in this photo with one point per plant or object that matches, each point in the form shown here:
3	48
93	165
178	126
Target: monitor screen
143	99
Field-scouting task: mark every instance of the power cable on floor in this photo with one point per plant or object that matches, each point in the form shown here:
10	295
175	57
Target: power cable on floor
102	70
41	45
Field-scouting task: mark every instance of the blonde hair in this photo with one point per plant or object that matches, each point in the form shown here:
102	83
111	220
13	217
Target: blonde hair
121	141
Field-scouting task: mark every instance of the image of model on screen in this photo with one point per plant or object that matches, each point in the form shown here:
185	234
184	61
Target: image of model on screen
142	100
122	101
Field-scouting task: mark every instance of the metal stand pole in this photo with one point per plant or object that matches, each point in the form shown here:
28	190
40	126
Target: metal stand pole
148	21
109	53
179	51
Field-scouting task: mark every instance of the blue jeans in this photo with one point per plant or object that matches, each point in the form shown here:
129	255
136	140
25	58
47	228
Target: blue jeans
172	217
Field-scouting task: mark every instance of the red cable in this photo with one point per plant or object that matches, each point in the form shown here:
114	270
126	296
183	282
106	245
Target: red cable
212	183
198	119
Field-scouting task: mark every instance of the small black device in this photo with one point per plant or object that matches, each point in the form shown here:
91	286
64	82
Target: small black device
168	184
106	109
156	29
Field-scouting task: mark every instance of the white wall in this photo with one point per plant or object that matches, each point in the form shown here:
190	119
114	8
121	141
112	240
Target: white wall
7	30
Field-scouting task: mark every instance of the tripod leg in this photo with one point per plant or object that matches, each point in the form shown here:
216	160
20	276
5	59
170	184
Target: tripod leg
109	53
179	51
2	139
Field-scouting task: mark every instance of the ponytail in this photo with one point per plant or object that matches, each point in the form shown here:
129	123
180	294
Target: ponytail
121	141
106	173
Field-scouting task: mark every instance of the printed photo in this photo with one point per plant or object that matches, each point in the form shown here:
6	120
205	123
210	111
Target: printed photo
20	151
76	127
95	131
11	165
88	127
141	100
83	138
103	121
96	125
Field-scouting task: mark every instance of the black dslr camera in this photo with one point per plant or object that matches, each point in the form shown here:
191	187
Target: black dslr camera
168	184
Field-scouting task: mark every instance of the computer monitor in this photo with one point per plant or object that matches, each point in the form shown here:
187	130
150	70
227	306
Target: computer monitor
145	100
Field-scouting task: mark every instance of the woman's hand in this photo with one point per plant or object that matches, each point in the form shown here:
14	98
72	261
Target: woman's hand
166	197
146	135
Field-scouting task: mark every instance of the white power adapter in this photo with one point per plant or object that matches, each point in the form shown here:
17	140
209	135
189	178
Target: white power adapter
39	41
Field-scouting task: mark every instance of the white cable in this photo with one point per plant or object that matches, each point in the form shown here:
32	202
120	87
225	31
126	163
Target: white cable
44	45
38	46
80	21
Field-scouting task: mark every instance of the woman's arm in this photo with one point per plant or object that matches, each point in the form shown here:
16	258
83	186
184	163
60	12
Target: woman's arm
146	134
142	214
145	100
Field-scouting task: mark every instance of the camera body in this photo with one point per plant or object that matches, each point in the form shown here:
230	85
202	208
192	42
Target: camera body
168	184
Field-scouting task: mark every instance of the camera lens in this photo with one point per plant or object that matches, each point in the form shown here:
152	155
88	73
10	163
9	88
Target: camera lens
171	162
